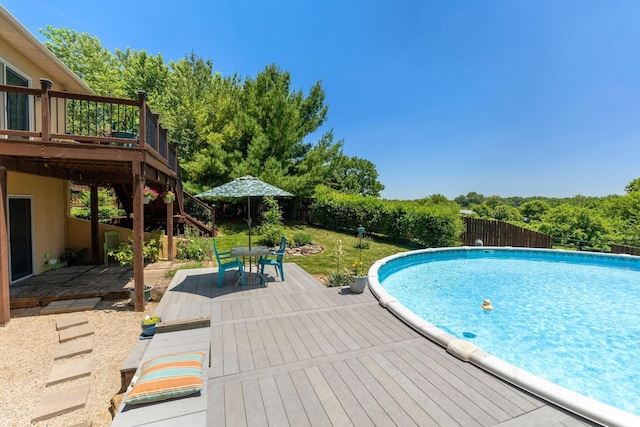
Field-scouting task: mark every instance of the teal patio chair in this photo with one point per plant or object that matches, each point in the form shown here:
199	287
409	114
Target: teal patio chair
277	262
225	262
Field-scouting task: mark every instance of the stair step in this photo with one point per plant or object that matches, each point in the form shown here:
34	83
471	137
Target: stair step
70	371
61	402
75	332
71	305
71	321
74	348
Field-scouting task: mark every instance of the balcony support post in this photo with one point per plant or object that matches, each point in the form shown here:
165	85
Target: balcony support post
45	86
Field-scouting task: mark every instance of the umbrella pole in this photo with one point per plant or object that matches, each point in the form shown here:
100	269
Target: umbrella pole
249	218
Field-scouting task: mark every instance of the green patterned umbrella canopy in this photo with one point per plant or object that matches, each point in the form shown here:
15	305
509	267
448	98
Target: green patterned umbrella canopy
246	186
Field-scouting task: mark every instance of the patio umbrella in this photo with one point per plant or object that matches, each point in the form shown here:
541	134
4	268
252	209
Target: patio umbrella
246	186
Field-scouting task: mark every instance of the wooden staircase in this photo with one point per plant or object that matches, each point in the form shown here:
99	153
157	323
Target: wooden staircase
187	210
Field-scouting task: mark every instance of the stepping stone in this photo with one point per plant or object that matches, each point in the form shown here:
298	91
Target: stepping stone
74	348
71	305
75	332
61	402
85	304
71	321
70	371
55	307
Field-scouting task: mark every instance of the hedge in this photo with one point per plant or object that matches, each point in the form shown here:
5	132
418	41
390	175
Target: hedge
428	224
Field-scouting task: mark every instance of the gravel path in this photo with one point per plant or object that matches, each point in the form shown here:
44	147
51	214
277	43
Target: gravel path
27	347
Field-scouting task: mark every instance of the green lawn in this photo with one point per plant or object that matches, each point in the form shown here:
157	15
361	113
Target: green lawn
235	234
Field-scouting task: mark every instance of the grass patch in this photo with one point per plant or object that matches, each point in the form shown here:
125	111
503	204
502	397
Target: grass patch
324	263
169	274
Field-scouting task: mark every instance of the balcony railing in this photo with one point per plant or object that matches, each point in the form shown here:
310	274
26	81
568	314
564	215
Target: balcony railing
48	115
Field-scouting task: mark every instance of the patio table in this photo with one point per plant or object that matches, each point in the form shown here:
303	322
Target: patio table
251	252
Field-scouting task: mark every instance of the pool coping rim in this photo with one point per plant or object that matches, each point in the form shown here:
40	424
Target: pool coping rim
572	401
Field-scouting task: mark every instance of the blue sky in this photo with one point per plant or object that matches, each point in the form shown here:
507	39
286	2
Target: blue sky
512	98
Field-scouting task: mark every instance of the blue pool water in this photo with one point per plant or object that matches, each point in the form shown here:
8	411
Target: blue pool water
573	320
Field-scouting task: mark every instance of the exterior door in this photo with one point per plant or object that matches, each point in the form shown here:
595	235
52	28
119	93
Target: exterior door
20	237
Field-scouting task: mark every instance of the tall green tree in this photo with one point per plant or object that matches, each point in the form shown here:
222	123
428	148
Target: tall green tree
85	56
353	175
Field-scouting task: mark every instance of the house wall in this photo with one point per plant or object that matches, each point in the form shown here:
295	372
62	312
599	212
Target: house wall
50	202
15	59
25	65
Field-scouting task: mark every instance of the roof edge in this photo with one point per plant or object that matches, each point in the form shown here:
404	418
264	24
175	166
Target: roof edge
24	32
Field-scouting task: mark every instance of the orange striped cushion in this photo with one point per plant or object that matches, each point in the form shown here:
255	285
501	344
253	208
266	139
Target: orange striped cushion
167	377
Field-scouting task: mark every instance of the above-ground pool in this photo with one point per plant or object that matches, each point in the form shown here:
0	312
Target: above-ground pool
564	325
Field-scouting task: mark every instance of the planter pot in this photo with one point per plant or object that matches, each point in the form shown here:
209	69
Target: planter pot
147	294
147	200
358	283
167	201
148	330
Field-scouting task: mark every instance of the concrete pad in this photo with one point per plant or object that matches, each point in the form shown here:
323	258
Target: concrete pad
70	371
75	332
84	304
71	321
55	307
71	305
61	402
74	348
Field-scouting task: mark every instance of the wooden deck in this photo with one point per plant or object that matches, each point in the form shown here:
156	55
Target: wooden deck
297	353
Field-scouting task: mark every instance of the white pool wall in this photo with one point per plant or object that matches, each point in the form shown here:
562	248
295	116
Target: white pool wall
582	405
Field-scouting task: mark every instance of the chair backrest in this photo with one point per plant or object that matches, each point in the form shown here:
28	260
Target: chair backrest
215	251
111	240
283	248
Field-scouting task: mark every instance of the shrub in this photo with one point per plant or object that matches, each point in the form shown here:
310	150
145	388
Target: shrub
125	255
339	279
270	234
427	223
300	239
270	229
193	247
106	206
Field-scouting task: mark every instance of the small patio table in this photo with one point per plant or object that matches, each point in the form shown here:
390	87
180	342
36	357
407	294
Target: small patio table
251	252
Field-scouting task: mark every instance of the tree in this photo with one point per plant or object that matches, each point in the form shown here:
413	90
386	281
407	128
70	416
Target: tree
85	56
573	223
505	212
141	71
257	127
534	209
633	186
472	198
353	175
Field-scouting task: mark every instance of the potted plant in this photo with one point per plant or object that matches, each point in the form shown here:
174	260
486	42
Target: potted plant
149	194
168	196
358	278
148	325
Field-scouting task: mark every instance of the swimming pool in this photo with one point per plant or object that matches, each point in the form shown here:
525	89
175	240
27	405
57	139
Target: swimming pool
565	325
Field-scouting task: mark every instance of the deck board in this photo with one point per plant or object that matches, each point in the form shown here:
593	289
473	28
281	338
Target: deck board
297	353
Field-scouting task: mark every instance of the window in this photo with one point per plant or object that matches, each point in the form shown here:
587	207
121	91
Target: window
16	105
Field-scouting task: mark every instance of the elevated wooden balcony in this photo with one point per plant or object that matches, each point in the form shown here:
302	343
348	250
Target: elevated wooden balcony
91	140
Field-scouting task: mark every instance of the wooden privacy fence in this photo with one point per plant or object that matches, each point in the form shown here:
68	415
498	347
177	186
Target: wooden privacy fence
622	249
500	233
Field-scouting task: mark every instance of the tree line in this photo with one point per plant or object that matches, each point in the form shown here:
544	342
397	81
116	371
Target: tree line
225	127
572	221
